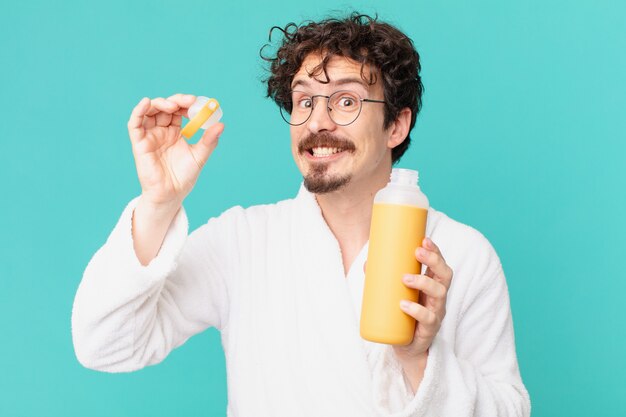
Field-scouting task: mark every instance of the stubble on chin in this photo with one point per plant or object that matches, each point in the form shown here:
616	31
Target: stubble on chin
317	181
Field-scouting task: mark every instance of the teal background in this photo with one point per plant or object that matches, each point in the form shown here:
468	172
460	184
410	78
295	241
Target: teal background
522	136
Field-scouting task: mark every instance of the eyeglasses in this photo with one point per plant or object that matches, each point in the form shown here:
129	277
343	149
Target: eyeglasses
343	108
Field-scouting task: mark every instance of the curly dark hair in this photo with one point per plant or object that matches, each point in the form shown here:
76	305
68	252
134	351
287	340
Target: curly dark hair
358	37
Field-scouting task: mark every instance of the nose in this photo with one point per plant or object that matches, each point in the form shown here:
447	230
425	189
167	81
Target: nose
320	119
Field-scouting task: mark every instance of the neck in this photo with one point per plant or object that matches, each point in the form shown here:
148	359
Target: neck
348	213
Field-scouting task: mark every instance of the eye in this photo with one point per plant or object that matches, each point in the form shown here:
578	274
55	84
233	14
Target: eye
301	100
304	103
346	102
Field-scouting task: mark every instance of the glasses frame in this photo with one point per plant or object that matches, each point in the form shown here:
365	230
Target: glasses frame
287	116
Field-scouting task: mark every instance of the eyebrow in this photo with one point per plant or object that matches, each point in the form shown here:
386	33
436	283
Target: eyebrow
341	81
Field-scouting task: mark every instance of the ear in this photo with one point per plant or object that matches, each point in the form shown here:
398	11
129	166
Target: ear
399	129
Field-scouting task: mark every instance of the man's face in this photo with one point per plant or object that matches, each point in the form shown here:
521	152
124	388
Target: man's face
331	156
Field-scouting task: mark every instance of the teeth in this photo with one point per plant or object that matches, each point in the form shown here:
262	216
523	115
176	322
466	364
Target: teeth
325	151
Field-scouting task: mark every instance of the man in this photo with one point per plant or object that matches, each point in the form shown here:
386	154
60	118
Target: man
283	283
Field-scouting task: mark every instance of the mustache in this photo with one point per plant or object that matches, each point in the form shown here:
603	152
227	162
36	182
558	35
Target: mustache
326	140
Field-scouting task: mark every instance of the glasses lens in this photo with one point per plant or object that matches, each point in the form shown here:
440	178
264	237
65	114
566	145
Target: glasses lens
298	110
286	115
345	107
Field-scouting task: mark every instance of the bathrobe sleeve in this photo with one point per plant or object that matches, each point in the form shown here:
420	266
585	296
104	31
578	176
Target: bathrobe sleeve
472	368
126	315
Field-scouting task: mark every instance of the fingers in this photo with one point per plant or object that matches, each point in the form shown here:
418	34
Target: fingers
433	294
205	146
160	104
135	123
160	111
430	245
427	285
427	318
177	120
431	256
163	119
184	101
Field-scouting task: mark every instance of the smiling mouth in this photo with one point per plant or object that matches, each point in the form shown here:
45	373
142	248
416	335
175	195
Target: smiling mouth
321	152
324	146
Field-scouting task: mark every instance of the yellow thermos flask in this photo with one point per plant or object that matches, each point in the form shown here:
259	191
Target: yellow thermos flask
397	230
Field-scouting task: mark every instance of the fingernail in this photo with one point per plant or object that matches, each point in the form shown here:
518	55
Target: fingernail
404	305
407	278
421	252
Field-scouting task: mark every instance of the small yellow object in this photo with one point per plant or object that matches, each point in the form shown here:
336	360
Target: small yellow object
199	119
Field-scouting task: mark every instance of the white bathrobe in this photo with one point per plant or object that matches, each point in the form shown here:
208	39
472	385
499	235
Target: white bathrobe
271	279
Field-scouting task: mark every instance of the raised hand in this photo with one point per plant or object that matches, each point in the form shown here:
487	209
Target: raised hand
428	313
167	165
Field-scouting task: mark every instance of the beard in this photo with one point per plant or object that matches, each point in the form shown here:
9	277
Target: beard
317	180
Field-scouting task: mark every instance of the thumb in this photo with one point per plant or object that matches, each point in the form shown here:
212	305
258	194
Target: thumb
207	143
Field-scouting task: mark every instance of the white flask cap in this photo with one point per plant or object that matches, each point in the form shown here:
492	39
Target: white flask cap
404	176
195	108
